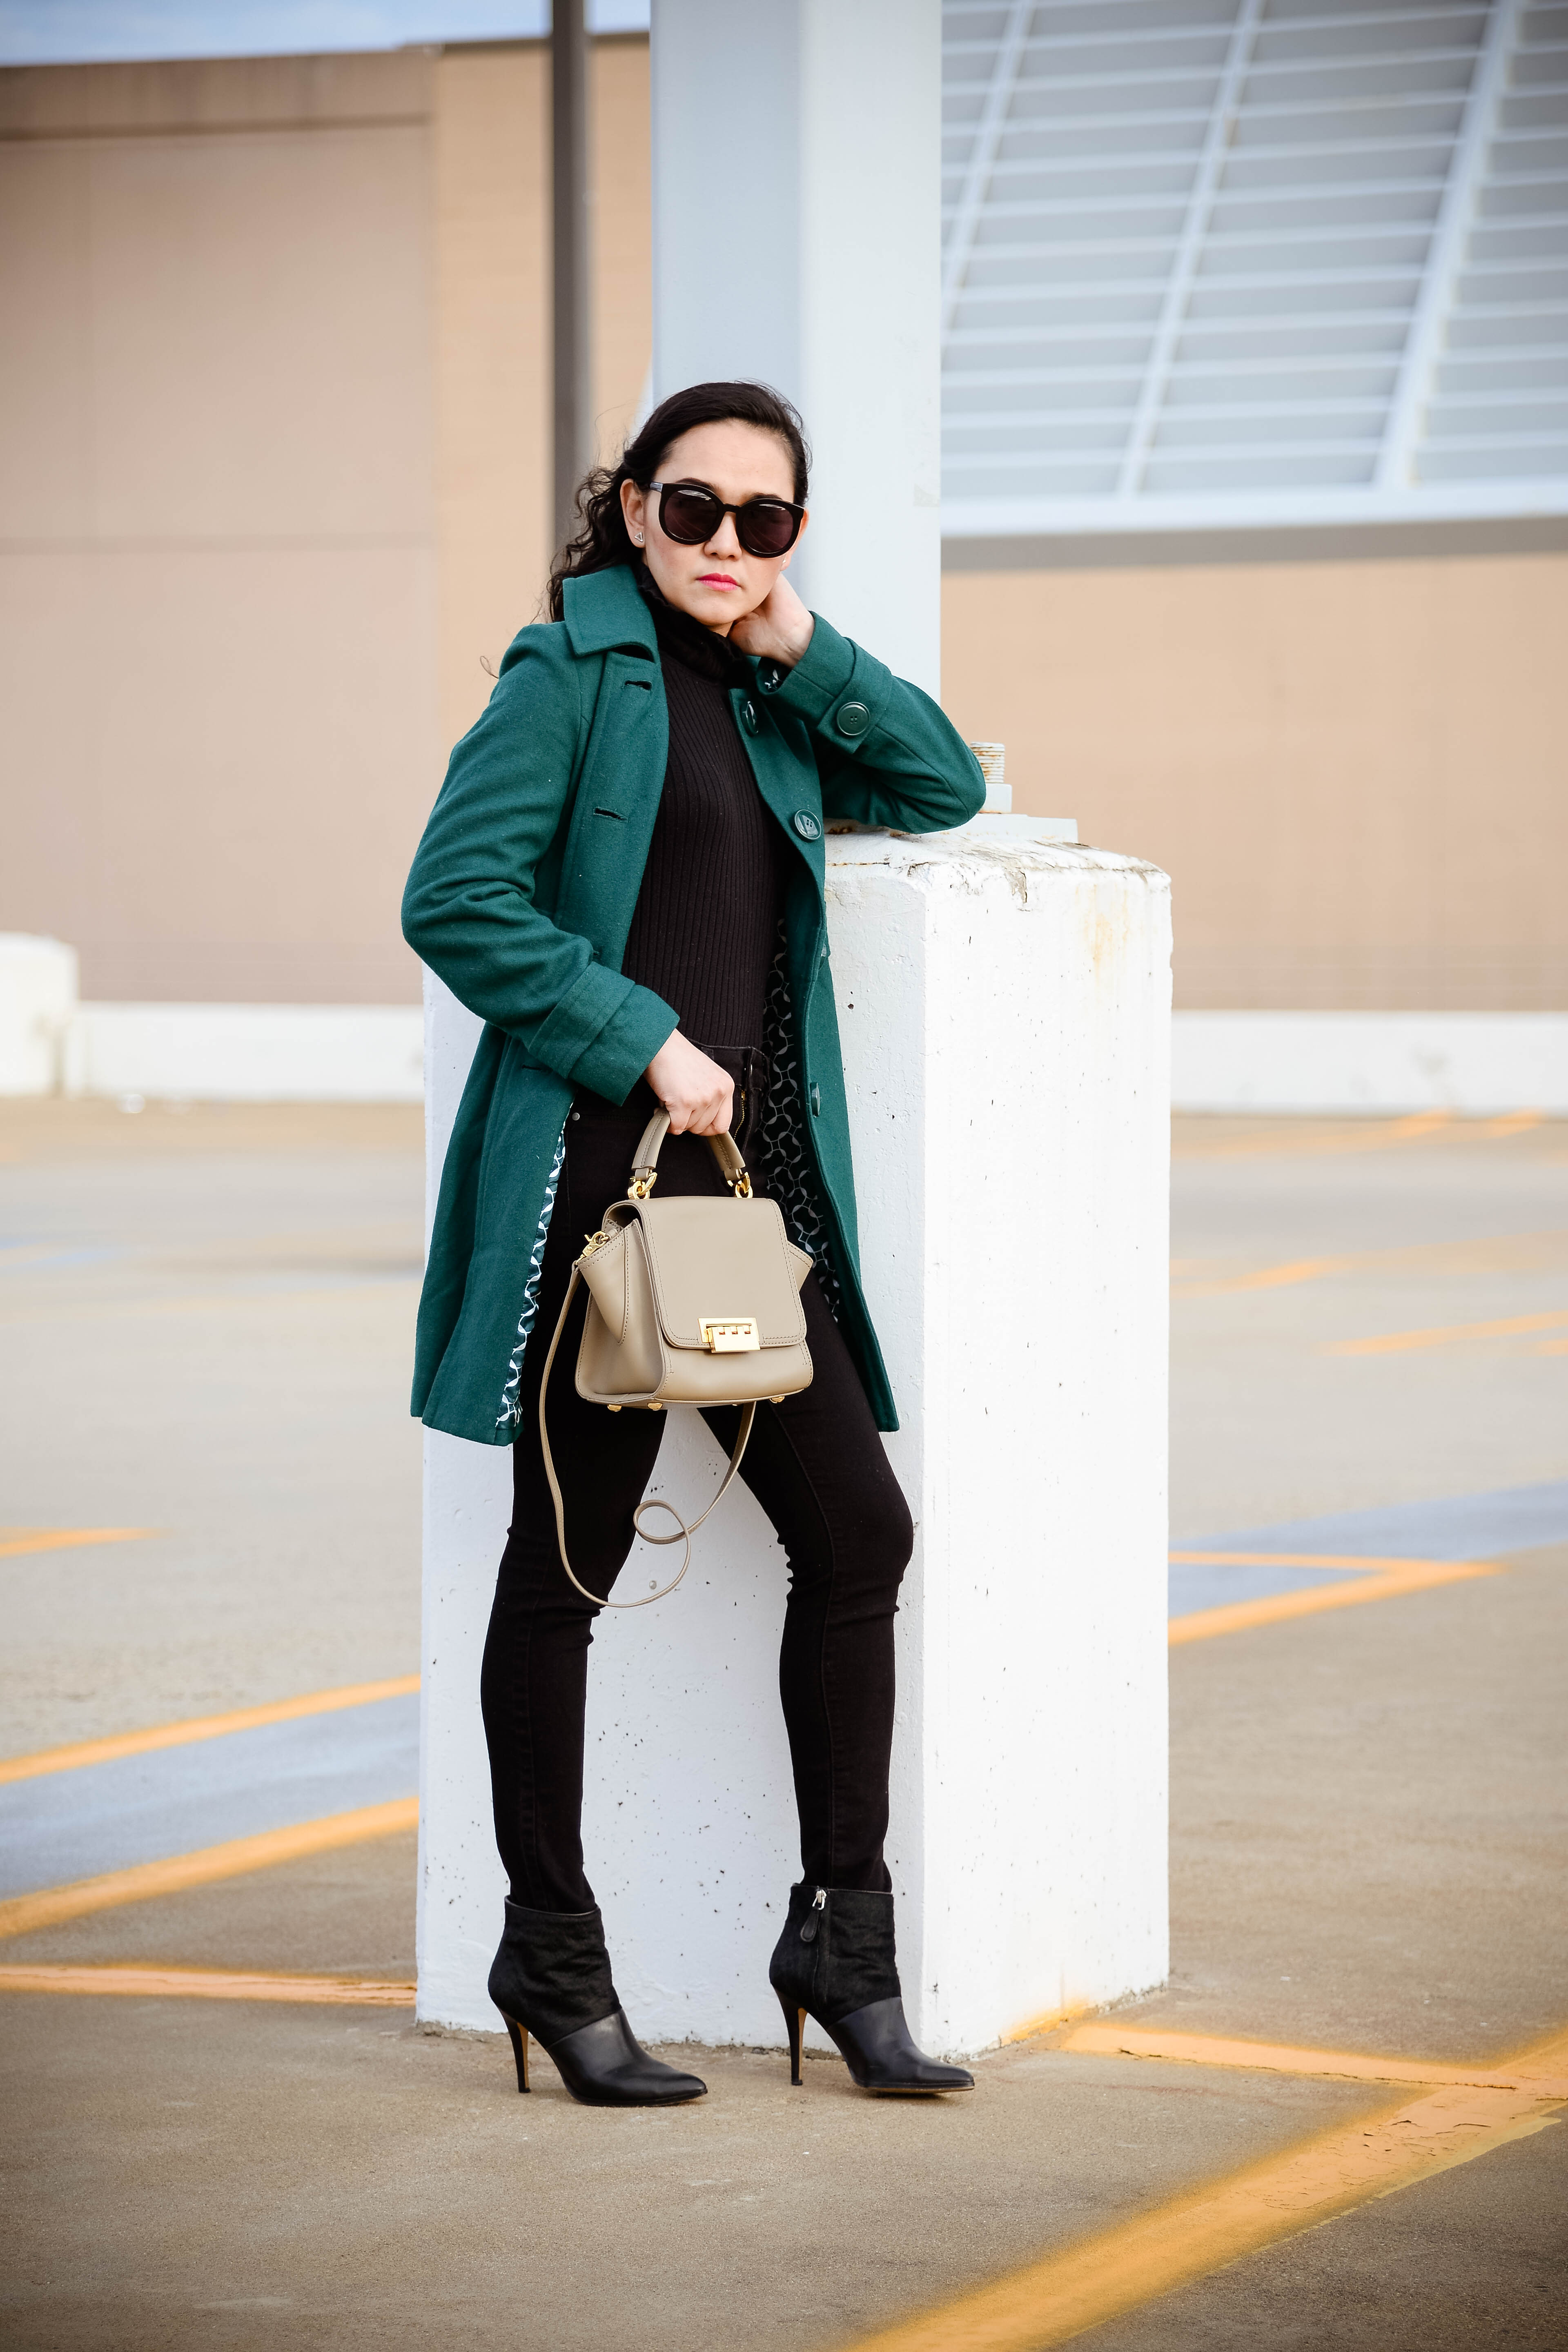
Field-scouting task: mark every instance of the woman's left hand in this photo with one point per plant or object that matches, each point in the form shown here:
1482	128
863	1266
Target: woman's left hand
778	630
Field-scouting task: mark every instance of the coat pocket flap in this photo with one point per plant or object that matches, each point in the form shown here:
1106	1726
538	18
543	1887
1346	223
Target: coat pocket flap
716	1261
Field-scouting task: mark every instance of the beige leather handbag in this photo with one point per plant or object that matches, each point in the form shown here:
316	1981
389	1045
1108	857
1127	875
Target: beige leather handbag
691	1301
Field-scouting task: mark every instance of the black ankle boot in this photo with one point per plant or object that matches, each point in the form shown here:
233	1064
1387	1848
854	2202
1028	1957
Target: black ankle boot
835	1963
551	1979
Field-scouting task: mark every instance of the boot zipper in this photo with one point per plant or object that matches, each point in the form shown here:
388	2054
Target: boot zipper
809	1927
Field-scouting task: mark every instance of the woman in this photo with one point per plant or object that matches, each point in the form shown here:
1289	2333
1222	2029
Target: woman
623	876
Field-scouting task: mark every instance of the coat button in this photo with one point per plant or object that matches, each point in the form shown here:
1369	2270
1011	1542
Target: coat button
816	1100
853	719
749	714
770	677
808	827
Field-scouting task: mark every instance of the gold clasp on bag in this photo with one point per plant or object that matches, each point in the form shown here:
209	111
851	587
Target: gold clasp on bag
728	1335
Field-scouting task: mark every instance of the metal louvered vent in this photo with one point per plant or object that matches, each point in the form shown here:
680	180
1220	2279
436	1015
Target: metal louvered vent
1245	261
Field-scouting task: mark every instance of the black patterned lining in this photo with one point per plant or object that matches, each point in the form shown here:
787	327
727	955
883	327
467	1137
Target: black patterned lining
792	1179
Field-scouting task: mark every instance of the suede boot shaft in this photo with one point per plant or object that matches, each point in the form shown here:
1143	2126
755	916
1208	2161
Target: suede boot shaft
552	1972
837	1952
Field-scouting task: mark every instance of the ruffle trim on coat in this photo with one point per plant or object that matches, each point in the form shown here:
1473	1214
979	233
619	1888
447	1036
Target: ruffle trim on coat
511	1413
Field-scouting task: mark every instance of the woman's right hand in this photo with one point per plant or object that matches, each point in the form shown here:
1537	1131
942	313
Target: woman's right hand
698	1096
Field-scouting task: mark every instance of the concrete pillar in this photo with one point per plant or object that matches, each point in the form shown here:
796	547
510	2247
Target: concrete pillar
1005	1005
1004	1002
37	1000
825	281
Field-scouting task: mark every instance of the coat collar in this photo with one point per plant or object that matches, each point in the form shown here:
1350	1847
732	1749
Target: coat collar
604	609
607	608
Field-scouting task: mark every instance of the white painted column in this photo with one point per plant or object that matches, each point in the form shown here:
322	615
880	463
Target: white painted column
1006	1009
1005	1000
825	280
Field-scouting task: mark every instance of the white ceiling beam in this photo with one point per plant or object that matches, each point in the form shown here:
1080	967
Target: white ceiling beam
1195	228
1429	319
982	156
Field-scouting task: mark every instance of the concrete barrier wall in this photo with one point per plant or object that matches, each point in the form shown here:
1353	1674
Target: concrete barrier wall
1005	1009
245	1053
1471	1064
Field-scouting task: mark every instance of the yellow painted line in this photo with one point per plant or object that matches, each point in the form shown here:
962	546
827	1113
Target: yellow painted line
204	1984
1516	1122
1050	2021
1295	1560
1121	2268
21	1914
201	1727
1487	1253
14	1541
1374	1136
1283	2058
1505	1327
1270	1277
1405	1576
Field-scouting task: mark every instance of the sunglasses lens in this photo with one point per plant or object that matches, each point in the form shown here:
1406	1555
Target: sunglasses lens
766	527
689	516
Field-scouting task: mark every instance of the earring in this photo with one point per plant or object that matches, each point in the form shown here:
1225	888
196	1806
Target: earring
639	538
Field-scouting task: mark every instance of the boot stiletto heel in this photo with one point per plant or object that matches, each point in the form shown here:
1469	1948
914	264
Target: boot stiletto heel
518	2048
795	2027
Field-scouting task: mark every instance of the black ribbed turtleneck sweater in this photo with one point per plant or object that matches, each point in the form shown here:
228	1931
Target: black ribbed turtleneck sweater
706	922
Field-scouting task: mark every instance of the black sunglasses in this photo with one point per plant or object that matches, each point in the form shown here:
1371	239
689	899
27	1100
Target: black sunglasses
688	512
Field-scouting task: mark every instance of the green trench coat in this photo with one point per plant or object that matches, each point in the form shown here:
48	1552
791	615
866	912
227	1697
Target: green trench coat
520	897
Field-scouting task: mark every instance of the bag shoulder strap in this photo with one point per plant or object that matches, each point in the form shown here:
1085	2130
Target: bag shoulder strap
682	1528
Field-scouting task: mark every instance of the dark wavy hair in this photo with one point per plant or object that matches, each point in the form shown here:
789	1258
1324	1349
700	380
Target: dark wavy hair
603	538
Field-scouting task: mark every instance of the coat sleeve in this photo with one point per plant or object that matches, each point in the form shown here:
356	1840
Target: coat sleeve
886	753
470	908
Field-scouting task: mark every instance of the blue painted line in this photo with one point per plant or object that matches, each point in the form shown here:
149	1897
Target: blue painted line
1192	1589
100	1817
79	1257
1456	1527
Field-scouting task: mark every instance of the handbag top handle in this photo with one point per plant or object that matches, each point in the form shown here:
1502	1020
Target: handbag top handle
645	1160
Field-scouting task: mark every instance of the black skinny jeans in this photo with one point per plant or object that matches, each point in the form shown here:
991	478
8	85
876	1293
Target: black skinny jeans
817	1466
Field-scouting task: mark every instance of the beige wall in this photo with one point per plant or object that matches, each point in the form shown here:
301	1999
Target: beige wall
273	482
217	581
492	197
1355	772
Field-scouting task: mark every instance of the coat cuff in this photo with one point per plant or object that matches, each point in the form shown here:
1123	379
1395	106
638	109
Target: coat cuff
832	676
603	1033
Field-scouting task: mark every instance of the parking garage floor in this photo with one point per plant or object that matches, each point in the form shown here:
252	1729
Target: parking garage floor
1336	2126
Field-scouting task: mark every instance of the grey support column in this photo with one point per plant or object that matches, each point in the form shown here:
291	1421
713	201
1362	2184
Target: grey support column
572	409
